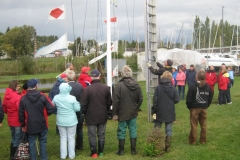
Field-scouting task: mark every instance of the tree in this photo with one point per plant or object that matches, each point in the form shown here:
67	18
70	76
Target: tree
19	41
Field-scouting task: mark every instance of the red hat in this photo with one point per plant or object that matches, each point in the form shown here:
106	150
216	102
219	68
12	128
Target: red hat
85	69
63	75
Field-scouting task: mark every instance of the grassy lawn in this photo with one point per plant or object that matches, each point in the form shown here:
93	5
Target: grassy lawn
223	129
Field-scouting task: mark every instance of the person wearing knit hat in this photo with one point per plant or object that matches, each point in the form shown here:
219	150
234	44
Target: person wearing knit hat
167	67
127	99
84	79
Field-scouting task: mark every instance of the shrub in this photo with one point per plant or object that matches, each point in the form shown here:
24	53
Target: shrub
155	143
28	65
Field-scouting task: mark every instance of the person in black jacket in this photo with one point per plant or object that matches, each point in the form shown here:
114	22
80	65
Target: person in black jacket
167	67
34	109
191	75
95	102
199	98
76	91
127	99
163	110
1	112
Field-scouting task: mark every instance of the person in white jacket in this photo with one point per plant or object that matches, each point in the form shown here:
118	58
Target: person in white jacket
67	106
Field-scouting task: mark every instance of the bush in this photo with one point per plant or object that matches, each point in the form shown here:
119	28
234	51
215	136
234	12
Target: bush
28	65
155	143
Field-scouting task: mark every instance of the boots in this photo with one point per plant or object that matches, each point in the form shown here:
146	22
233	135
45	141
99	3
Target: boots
121	143
93	151
133	145
100	147
12	151
167	143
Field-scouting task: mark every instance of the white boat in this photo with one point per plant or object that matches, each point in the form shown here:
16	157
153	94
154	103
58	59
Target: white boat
217	61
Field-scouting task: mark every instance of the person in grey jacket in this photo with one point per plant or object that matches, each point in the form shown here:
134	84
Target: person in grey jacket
164	100
127	99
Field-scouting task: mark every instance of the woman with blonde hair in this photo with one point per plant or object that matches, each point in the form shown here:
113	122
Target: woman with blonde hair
163	110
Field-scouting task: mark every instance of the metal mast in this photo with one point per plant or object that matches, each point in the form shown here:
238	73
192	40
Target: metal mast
150	50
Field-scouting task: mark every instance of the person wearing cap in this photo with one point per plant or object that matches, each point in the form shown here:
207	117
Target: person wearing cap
10	106
67	106
191	75
84	79
167	67
34	109
76	91
127	99
96	102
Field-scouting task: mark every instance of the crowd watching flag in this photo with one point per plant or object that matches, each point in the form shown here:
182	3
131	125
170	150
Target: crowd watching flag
57	13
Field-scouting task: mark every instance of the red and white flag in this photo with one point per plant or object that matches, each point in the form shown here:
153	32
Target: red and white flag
114	19
57	13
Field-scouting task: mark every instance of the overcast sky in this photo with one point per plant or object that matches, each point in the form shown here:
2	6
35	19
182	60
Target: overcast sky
130	23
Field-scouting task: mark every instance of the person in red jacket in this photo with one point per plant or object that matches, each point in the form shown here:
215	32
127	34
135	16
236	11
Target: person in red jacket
223	83
10	107
211	78
84	79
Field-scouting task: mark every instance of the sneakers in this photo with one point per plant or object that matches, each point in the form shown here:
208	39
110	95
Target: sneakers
230	103
94	155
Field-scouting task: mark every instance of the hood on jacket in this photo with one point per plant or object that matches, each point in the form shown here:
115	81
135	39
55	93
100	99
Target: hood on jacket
210	71
8	93
130	83
33	95
65	88
59	79
166	84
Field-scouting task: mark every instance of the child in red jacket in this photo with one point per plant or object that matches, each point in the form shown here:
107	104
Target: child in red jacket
223	83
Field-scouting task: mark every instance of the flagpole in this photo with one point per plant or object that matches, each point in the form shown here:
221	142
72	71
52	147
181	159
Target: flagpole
109	54
66	33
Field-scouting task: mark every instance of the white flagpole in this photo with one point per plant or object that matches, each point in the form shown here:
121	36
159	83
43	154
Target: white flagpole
109	54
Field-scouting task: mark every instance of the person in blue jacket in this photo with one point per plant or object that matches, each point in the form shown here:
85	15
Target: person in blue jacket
174	75
230	85
67	106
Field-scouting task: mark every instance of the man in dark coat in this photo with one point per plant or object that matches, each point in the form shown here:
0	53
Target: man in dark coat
96	102
33	112
191	75
165	96
76	91
167	67
127	99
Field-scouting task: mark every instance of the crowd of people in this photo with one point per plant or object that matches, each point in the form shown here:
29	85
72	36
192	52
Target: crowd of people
87	99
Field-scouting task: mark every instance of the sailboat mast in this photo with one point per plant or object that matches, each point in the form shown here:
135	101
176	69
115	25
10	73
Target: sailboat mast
109	54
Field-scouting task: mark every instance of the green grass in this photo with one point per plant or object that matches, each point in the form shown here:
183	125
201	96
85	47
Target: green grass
223	129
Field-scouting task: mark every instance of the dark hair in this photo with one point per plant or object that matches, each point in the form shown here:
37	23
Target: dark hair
13	84
201	77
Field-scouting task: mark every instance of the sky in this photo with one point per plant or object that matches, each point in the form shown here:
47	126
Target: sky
129	13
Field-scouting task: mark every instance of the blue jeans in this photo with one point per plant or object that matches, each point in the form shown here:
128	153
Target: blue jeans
168	127
228	95
16	133
42	138
222	96
122	127
67	136
181	89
